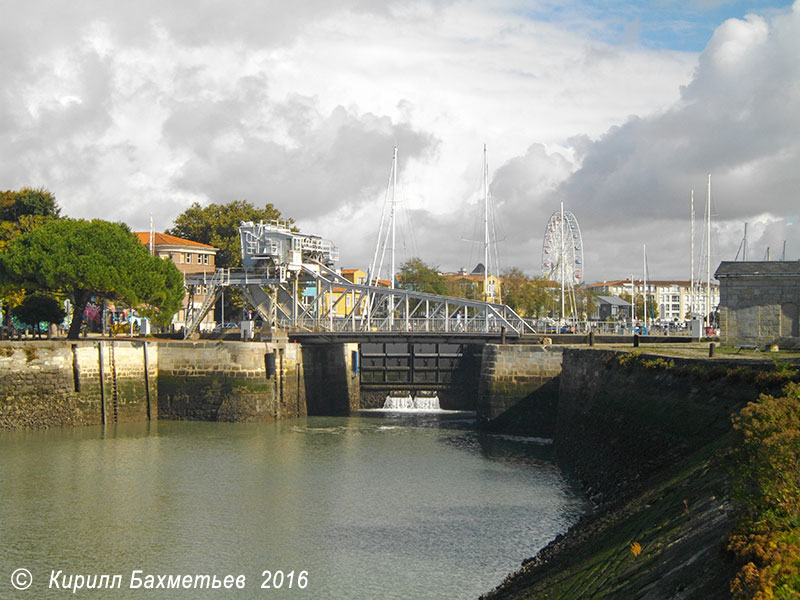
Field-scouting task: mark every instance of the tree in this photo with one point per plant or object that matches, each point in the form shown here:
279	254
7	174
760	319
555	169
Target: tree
21	211
218	225
93	258
652	306
27	202
417	276
527	296
38	308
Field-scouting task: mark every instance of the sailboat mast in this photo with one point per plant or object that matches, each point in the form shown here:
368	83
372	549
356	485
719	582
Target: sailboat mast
485	226
561	258
691	258
644	282
708	254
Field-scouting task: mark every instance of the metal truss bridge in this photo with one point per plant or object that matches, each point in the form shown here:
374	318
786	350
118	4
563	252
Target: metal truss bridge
298	292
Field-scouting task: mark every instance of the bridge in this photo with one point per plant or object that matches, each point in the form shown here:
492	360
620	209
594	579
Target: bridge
289	280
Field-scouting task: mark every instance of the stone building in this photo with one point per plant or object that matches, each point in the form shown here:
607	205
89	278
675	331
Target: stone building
759	303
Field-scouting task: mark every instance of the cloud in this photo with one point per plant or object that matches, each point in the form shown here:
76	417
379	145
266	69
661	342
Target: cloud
126	110
736	119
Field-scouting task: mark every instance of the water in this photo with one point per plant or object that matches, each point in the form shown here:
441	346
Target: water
371	506
418	402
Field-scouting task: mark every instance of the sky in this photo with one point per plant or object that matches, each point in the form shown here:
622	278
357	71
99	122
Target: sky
618	109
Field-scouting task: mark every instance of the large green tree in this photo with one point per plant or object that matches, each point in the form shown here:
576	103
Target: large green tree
27	202
21	211
417	276
93	258
530	297
218	225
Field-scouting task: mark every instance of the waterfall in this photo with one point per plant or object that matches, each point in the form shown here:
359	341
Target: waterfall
404	401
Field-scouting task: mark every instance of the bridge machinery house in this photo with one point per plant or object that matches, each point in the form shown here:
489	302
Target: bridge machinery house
190	257
759	303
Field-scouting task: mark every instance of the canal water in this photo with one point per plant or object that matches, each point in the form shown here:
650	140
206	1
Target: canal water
378	505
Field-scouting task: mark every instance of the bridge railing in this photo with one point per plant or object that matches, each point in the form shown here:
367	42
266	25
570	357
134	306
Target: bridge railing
416	325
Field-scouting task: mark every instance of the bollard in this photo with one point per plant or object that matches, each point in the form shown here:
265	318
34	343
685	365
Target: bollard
635	340
591	338
503	334
711	347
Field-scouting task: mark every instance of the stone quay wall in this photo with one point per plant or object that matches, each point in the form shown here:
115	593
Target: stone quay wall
56	383
622	415
518	389
230	381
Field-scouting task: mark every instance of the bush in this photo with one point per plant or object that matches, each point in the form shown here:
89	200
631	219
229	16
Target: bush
765	477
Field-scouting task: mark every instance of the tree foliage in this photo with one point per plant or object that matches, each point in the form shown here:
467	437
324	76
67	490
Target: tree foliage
93	258
39	308
530	297
21	211
27	202
417	276
652	306
218	225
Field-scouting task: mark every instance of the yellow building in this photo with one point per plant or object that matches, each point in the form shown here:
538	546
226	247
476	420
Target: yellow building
470	285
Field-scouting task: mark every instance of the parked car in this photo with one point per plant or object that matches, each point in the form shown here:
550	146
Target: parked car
225	327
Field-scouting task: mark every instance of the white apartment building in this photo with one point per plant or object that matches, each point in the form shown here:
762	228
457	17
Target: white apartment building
673	297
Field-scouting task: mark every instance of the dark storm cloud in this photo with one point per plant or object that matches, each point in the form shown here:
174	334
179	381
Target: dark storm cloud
737	120
334	161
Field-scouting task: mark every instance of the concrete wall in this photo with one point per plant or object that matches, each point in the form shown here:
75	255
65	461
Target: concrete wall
519	388
229	381
55	383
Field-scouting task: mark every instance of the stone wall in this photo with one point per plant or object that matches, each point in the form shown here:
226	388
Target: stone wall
230	381
759	303
55	383
619	420
519	388
331	381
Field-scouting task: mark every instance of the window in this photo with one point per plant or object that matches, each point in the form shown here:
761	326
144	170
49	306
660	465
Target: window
188	258
205	259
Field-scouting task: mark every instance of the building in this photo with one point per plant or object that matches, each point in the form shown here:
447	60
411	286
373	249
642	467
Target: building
189	257
759	303
471	285
612	307
672	297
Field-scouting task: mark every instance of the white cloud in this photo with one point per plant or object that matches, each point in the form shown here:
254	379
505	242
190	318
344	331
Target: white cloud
737	119
124	110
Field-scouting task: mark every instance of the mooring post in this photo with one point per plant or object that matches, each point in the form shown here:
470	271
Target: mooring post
502	334
591	338
635	340
711	348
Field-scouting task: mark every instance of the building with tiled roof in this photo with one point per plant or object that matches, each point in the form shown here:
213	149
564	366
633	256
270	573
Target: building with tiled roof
190	257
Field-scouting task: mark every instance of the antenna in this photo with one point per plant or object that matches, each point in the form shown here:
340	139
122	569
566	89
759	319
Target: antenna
152	237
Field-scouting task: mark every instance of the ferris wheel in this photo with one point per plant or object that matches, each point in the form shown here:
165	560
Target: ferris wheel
562	249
